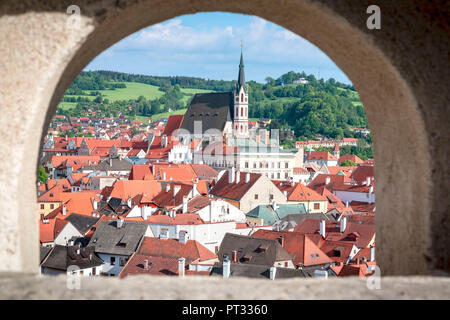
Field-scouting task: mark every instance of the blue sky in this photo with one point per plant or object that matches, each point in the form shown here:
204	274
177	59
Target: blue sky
207	45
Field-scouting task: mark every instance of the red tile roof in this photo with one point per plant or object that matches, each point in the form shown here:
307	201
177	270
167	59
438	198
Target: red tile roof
234	190
173	123
350	157
320	155
192	249
141	172
49	231
304	251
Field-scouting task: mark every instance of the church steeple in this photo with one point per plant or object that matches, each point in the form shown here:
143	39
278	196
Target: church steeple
240	98
241	76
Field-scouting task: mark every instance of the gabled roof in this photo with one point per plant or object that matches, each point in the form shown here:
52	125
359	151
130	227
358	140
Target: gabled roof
173	123
304	251
81	222
141	172
192	249
204	171
125	189
61	257
361	234
270	215
234	190
299	192
351	157
174	197
110	239
253	250
50	230
111	164
361	173
161	266
213	110
320	155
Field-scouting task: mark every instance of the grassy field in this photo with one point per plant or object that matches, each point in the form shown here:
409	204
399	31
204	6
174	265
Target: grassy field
67	105
133	91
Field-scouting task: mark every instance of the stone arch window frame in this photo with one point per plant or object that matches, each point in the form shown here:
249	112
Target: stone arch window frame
384	77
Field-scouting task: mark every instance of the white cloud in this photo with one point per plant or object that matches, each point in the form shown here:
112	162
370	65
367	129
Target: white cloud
265	43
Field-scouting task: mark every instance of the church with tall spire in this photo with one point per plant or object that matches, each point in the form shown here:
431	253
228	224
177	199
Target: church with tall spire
240	100
220	112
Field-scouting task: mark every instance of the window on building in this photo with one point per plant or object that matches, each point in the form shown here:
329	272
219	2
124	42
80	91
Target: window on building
278	175
52	206
122	261
286	165
242	112
246	165
242	97
113	261
256	197
271	197
316	206
42	206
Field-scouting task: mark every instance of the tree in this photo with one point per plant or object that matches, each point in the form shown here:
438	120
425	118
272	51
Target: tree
347	163
42	176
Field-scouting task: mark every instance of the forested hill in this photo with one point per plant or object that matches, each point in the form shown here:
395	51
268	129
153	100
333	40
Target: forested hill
319	108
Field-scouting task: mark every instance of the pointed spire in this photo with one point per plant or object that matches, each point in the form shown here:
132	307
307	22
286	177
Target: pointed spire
241	76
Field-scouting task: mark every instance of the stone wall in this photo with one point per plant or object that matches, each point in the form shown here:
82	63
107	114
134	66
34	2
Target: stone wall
400	72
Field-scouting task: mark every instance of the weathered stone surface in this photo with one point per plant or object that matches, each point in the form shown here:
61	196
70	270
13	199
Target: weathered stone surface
400	71
201	288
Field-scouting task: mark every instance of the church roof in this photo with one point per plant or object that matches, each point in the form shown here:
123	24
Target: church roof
212	109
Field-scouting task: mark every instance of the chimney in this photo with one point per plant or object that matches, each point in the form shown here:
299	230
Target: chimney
45	221
226	267
273	271
164	234
164	175
146	264
322	228
95	204
327	180
343	224
164	141
371	189
292	183
185	204
281	240
176	189
234	256
64	210
182	238
372	253
119	223
70	242
181	266
238	176
285	193
231	174
129	202
346	204
110	162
